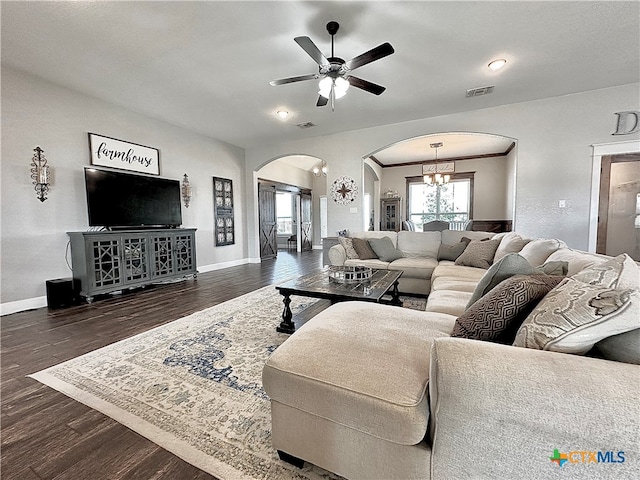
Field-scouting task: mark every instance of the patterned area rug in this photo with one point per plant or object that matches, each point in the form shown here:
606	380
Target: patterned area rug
194	387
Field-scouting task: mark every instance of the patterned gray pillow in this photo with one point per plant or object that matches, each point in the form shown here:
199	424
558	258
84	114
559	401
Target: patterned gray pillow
576	315
452	252
618	272
508	266
347	243
479	253
497	316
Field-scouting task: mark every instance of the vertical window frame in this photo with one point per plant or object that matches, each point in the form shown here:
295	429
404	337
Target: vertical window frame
456	176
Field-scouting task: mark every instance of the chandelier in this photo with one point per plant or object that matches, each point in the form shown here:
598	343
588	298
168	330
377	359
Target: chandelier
432	174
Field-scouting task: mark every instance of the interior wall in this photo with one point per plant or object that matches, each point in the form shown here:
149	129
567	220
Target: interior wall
279	171
553	161
33	236
510	184
490	184
376	172
319	190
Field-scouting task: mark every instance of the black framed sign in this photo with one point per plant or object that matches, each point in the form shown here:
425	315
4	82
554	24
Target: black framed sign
111	152
223	211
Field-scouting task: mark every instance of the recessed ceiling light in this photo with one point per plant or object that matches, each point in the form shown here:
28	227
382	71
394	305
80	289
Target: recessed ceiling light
282	114
497	64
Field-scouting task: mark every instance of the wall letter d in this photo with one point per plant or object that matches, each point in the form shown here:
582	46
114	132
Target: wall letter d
628	123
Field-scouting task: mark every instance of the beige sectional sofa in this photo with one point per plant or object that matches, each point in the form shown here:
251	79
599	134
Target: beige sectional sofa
419	250
380	392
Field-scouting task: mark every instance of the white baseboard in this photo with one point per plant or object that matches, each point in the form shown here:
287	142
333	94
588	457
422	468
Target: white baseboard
220	266
38	302
21	305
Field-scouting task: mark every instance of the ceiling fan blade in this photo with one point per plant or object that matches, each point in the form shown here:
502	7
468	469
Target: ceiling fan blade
365	85
308	46
372	55
301	78
322	101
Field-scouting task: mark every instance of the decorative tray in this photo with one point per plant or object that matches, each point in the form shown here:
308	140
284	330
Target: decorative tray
350	274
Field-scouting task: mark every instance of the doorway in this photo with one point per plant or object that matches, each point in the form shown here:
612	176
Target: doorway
284	218
619	205
268	224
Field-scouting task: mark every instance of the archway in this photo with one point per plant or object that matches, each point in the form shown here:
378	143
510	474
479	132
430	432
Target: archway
489	159
287	212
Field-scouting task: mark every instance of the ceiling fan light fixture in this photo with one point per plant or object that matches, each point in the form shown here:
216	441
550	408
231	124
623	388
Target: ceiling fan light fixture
341	86
333	70
325	87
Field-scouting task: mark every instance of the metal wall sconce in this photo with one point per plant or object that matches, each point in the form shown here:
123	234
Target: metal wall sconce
186	191
320	170
40	174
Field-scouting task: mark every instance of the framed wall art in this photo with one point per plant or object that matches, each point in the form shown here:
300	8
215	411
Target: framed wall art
110	152
224	231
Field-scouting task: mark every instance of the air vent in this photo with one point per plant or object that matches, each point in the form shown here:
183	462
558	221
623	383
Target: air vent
305	125
476	92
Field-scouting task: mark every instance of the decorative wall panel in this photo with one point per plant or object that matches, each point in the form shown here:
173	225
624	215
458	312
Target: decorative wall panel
224	231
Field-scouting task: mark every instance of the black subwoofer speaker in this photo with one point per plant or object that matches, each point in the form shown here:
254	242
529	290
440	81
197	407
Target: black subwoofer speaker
61	292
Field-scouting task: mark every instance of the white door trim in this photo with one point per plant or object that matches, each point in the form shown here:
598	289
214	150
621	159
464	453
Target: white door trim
600	150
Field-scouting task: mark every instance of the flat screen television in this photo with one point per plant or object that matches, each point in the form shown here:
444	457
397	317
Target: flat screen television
122	200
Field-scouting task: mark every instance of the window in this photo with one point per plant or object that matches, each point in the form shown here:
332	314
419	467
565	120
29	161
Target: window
450	203
284	203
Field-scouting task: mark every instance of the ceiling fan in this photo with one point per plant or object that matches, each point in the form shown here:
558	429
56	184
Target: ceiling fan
334	73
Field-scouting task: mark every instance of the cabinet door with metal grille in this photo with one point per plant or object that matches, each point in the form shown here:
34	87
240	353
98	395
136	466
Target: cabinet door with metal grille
106	265
184	253
136	258
163	261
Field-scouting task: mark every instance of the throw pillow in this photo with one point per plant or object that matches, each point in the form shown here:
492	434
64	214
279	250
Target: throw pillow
537	251
479	253
363	249
347	243
452	252
497	316
624	347
508	266
384	249
575	316
618	272
556	267
510	243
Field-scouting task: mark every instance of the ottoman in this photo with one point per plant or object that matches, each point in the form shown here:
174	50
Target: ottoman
349	392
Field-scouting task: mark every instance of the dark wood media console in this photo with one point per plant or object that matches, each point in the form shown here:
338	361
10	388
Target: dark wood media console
109	261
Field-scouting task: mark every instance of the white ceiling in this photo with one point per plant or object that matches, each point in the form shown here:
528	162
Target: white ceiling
455	145
206	66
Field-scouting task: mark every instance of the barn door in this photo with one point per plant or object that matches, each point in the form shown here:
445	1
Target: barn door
619	206
267	220
306	221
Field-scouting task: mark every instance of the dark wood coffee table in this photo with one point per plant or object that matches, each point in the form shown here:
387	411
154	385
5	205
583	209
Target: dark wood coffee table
318	285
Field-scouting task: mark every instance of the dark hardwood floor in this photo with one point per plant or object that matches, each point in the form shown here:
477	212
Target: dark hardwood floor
46	435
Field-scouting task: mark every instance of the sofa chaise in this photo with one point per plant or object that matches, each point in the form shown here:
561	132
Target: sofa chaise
525	369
